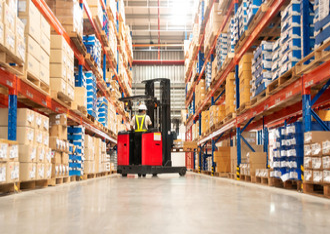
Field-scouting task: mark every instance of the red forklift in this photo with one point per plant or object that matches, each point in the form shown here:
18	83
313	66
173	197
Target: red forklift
153	156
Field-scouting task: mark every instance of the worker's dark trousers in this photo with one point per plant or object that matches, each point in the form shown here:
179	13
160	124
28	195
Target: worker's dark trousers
137	160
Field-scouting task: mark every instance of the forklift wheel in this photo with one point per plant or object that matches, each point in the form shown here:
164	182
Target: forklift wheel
139	175
144	175
182	172
124	175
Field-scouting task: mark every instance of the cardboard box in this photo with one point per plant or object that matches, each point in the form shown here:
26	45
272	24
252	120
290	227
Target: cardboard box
4	151
89	167
12	172
80	96
57	170
56	157
41	154
27	8
257	158
59	131
2	34
48	170
33	48
45	43
13	152
40	174
58	119
70	92
25	117
9	40
38	121
57	42
9	17
20	27
317	163
20	49
89	154
58	85
30	16
44	74
316	136
65	159
223	164
58	56
317	177
32	65
48	157
45	27
3	174
45	137
308	163
308	176
58	70
27	153
38	140
57	144
45	123
44	58
25	135
27	171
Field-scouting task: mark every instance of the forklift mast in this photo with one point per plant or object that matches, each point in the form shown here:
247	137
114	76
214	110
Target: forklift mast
164	114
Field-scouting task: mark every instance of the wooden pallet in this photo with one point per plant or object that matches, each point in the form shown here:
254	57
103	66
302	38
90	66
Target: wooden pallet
35	82
320	190
245	178
289	184
262	180
11	63
206	172
9	188
91	118
222	174
62	98
232	176
244	107
320	55
229	117
78	41
59	180
282	82
259	98
34	184
80	110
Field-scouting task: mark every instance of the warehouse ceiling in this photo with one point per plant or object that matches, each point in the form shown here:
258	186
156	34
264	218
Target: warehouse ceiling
175	20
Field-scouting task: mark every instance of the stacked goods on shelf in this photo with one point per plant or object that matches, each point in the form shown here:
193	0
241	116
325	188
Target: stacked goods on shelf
113	41
96	10
12	29
221	49
205	121
89	162
62	78
97	153
113	160
245	77
212	26
9	165
70	14
208	75
217	114
288	155
233	32
37	39
255	161
112	7
102	111
230	37
252	7
321	22
128	37
230	93
200	93
59	144
94	48
91	93
290	36
241	18
112	118
32	151
261	67
276	61
76	137
214	69
222	159
120	125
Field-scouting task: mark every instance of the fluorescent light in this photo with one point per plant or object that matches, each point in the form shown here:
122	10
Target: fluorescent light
180	11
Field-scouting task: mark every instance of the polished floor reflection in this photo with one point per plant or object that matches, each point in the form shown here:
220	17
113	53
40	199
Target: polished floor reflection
167	204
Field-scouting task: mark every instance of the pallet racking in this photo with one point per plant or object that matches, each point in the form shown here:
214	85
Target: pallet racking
20	93
290	98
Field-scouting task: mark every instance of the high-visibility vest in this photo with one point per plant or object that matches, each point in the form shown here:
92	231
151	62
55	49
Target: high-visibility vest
140	124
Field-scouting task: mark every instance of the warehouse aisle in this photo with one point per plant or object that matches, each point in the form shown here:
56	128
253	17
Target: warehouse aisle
168	204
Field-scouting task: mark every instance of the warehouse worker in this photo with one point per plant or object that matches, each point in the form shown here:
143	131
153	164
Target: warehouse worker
140	123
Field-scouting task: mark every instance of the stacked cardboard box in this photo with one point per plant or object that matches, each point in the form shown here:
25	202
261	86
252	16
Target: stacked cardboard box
276	61
37	39
245	77
9	165
205	121
317	157
261	67
76	136
200	92
62	78
230	93
102	111
208	75
89	163
112	118
70	14
96	10
221	49
222	158
91	93
59	144
94	48
321	22
217	114
252	7
212	26
255	161
32	150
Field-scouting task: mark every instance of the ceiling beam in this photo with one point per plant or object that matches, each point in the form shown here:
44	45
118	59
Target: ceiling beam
164	3
152	16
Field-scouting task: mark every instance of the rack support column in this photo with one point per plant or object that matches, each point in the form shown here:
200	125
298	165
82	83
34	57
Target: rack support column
238	134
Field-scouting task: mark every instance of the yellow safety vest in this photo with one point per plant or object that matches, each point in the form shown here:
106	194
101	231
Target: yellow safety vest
139	123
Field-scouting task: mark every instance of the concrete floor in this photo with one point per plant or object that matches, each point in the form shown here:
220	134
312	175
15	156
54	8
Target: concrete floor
167	204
